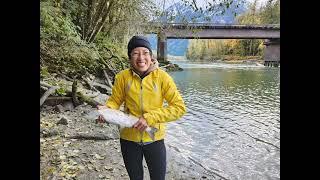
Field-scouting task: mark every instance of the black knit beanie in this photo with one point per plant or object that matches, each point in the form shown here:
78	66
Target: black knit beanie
138	41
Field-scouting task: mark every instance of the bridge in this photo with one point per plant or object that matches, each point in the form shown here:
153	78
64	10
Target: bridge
269	32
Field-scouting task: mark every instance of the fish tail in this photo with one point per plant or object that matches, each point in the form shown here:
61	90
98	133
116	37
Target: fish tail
92	115
151	131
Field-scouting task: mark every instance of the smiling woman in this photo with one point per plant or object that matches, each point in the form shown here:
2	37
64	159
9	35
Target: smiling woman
143	88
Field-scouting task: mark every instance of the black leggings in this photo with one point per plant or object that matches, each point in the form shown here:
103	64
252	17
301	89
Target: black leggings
154	154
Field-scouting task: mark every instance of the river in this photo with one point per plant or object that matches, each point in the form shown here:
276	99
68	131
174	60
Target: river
232	124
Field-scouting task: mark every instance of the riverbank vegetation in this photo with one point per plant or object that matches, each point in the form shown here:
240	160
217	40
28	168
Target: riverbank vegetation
79	37
237	49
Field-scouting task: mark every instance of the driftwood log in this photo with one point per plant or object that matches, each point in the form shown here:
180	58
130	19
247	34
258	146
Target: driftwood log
108	81
93	95
47	94
107	88
59	98
78	95
87	99
168	65
65	76
89	84
93	85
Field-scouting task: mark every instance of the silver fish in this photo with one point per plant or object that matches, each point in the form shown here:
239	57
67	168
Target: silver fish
119	118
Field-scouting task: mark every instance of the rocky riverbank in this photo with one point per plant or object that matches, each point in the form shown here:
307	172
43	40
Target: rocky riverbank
74	148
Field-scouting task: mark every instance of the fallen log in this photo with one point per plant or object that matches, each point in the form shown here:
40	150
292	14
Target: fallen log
45	84
89	84
59	98
93	95
88	80
47	94
88	100
108	82
79	95
65	76
106	88
168	65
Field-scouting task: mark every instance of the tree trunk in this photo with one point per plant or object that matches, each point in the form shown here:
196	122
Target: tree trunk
96	20
97	28
89	17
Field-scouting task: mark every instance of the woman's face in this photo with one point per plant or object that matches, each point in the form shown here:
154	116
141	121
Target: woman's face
140	59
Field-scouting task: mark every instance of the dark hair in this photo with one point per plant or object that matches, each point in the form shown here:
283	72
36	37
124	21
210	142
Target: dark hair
138	41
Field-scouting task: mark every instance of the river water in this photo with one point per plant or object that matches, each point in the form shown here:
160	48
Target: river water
232	124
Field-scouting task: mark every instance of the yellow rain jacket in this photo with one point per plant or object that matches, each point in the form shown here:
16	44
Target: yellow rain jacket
145	97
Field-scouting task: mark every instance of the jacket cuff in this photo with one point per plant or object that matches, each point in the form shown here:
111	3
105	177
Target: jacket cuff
112	105
149	118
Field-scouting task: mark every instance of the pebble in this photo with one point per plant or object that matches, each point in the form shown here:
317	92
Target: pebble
108	168
63	121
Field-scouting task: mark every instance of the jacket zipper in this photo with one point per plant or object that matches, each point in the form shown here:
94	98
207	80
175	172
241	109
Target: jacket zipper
141	106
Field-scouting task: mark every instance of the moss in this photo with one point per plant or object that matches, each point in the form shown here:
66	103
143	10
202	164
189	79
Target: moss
44	73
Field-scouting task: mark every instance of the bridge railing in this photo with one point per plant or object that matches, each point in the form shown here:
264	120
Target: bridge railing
212	25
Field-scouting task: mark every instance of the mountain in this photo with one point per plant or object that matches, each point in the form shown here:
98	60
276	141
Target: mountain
180	13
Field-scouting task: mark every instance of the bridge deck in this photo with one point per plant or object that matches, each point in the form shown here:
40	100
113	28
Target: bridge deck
215	31
214	26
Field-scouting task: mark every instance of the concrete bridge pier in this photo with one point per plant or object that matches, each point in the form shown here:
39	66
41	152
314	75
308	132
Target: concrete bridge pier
162	55
272	52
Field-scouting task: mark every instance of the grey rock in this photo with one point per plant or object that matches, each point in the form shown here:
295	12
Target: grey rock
49	133
63	121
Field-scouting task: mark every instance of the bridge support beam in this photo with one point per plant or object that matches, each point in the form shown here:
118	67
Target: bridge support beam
162	47
272	52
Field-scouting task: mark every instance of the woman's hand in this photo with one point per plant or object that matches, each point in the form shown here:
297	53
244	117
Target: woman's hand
141	124
100	118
